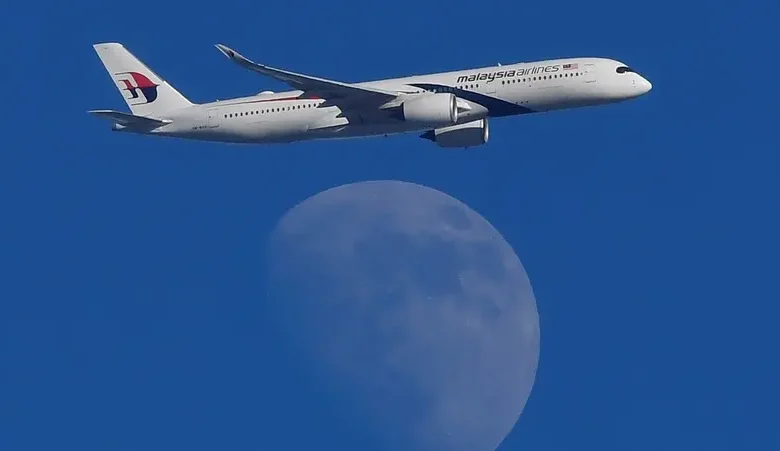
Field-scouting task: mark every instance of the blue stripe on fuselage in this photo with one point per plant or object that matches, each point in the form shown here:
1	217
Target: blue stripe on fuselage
496	107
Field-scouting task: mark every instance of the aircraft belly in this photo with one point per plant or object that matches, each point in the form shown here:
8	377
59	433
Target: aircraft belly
274	129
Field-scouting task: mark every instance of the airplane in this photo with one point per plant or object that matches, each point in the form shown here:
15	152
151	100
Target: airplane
451	109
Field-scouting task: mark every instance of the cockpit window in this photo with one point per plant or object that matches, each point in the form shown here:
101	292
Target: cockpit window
623	69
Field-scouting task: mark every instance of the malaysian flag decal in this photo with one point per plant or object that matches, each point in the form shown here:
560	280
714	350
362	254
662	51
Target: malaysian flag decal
570	66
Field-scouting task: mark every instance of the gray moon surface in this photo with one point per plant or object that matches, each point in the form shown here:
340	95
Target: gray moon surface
412	309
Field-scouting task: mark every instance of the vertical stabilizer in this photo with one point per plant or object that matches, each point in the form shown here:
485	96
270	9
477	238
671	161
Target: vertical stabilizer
144	91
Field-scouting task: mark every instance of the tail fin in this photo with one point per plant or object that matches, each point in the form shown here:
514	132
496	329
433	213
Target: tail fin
145	93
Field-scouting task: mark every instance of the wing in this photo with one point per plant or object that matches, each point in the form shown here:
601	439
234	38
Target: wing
335	92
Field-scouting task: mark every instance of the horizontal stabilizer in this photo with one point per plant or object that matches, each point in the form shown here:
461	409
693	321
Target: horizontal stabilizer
130	120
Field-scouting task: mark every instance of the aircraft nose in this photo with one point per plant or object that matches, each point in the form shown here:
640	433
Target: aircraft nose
644	85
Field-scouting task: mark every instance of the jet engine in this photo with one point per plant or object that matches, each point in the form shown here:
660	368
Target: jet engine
468	134
430	110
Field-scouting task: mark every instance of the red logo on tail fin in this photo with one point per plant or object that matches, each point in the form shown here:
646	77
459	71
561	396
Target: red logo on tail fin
139	82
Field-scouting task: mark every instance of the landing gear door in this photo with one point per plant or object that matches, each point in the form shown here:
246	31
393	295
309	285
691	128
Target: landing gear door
589	72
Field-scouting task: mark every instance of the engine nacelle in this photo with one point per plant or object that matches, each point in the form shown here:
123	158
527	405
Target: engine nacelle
469	134
434	110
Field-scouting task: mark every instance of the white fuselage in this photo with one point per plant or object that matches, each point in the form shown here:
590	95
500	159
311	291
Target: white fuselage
481	93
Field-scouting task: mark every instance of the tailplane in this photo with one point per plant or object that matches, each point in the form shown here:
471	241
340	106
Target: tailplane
145	93
130	121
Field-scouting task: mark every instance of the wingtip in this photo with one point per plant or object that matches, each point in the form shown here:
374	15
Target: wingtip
227	51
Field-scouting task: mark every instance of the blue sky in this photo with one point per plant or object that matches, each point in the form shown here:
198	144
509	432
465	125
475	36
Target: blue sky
133	267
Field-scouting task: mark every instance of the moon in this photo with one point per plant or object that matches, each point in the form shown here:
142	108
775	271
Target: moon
412	309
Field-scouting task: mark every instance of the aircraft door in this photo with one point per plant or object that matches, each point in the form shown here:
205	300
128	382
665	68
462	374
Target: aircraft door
490	86
213	117
589	72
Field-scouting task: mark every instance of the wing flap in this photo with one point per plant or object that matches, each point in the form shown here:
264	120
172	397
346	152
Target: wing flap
329	123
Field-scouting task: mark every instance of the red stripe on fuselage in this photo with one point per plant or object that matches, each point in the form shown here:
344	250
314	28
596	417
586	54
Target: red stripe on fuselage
279	99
